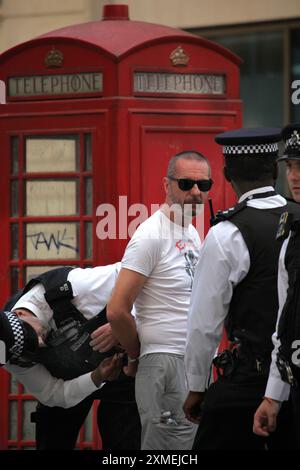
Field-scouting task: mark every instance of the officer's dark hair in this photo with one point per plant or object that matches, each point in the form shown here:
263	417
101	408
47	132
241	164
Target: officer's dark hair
250	168
186	155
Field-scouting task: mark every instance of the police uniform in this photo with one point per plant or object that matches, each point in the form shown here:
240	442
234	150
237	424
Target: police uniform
57	427
235	285
284	374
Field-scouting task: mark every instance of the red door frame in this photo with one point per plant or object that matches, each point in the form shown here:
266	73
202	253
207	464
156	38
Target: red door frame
45	126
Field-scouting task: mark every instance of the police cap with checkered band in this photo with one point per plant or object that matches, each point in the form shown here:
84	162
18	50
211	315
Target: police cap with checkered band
252	142
291	138
17	337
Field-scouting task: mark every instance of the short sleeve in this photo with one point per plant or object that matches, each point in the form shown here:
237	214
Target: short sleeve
142	254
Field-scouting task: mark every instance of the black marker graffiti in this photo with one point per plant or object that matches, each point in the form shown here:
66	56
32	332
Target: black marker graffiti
58	240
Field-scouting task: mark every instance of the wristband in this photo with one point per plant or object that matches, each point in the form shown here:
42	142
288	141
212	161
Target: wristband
271	400
132	360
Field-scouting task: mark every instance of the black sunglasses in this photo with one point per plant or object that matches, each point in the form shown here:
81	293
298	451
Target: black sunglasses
186	184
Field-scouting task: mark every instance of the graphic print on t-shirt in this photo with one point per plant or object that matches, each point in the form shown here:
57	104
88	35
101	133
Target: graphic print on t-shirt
188	250
191	261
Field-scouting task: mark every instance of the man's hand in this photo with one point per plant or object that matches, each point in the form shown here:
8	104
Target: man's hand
131	369
103	339
108	369
192	406
265	417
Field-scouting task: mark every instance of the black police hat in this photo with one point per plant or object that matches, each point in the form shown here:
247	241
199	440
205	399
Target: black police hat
17	337
253	142
291	137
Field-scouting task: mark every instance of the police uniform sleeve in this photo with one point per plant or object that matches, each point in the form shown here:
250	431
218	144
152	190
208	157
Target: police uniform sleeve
224	261
51	391
34	301
276	388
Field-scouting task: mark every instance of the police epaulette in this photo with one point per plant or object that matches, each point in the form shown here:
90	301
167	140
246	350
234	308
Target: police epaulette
285	224
221	216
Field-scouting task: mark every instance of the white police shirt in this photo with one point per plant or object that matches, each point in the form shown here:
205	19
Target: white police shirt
224	262
92	289
276	388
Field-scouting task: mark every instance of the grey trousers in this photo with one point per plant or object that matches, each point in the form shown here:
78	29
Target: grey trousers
160	388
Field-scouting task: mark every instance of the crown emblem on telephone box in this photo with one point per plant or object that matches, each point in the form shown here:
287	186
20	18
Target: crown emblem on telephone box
178	57
54	58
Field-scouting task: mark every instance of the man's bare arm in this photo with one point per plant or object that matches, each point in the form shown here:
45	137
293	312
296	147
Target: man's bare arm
127	288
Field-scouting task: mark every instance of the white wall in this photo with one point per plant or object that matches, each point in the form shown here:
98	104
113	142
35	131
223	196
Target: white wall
24	19
202	13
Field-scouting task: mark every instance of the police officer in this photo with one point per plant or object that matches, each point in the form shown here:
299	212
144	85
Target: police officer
284	371
235	284
59	309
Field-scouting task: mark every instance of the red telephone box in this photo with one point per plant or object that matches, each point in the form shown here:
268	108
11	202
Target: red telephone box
93	113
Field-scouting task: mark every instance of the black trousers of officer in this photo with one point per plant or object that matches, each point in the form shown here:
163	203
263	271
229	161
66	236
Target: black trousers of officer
118	420
228	410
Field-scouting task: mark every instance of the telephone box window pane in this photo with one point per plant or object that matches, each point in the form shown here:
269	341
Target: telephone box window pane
14	142
88	426
33	271
47	198
14	389
14	198
13	419
28	433
26	391
52	241
51	154
14	280
88	152
88	248
88	196
14	241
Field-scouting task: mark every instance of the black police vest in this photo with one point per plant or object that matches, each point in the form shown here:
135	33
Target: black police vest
254	305
68	353
289	324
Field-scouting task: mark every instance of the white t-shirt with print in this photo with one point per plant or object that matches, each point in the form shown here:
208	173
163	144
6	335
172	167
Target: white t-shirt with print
167	254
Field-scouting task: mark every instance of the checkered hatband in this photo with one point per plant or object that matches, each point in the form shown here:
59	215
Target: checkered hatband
18	333
255	149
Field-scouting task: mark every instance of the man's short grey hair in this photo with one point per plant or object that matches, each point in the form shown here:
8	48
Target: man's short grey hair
186	155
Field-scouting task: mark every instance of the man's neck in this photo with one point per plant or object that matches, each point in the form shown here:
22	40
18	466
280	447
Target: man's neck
241	188
177	218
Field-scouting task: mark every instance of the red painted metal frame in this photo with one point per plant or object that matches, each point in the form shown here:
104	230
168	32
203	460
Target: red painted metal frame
4	387
20	397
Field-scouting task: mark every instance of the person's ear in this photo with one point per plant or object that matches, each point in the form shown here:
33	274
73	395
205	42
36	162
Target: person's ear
20	312
226	174
166	183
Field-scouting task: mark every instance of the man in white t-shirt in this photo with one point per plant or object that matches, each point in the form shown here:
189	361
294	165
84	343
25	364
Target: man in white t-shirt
157	276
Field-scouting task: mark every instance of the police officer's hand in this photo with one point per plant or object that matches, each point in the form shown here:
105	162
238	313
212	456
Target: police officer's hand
265	417
108	369
102	339
192	406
